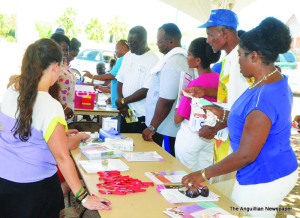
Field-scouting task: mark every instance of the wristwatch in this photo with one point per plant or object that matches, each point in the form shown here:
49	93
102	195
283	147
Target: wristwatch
151	128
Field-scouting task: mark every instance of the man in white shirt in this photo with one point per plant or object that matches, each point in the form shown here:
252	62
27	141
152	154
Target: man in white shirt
134	80
161	97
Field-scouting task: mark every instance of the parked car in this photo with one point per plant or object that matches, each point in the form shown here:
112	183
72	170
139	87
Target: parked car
287	61
87	59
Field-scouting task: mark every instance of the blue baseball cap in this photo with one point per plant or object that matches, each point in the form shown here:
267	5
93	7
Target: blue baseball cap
222	17
60	31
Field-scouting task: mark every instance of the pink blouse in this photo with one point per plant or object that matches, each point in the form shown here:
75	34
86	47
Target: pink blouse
208	80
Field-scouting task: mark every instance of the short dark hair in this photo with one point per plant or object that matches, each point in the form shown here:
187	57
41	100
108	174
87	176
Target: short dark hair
140	32
240	33
201	49
75	45
171	31
269	39
58	38
124	42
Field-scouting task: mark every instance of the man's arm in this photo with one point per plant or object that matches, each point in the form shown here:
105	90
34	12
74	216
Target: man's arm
119	89
136	96
102	77
163	108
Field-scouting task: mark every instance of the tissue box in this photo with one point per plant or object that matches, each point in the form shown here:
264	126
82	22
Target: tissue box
124	144
111	133
99	152
109	122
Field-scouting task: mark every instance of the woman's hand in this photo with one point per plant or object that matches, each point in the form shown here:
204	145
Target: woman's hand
193	180
195	91
96	203
297	119
219	112
71	132
83	136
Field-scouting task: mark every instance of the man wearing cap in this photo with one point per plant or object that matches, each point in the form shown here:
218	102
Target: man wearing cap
222	35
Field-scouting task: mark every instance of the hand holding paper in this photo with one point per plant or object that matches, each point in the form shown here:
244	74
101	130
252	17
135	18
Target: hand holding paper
195	91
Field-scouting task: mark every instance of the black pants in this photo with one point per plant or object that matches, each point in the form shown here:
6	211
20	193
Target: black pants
158	139
137	127
42	199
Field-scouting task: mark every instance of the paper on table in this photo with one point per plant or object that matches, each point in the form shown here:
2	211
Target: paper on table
143	156
174	196
166	178
94	166
199	210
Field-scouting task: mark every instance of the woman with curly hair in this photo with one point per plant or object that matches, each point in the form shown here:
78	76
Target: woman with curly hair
259	125
33	140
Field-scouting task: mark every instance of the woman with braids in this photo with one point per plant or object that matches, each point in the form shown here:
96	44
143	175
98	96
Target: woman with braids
190	149
33	140
259	125
65	84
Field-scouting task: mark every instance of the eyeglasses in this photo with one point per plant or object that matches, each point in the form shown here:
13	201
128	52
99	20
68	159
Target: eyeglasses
194	192
162	41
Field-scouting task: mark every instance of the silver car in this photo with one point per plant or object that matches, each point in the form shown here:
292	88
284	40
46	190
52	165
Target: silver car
89	58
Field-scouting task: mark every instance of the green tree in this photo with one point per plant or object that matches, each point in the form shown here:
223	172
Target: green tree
7	27
44	29
95	30
117	29
67	22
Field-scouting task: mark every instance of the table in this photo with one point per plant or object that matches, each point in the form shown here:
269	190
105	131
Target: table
147	204
98	111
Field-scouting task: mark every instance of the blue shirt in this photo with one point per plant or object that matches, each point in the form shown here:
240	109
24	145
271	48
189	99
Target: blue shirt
217	67
277	158
114	83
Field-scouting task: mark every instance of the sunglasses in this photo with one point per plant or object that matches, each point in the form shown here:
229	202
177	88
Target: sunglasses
194	192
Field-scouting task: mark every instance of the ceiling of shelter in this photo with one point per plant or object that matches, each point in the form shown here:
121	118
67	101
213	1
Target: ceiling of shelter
200	9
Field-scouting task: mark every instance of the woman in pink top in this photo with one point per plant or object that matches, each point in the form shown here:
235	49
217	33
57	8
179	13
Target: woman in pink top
193	151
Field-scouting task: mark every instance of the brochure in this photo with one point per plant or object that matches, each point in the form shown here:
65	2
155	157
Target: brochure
185	79
173	196
143	156
94	166
166	177
132	118
199	210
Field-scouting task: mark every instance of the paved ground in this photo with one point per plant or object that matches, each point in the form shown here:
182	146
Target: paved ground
293	199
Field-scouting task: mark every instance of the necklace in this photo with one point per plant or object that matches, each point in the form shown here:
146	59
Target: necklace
263	79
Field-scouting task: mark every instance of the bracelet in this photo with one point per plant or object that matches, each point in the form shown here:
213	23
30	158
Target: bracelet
203	175
122	101
76	196
85	199
224	115
65	107
81	196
